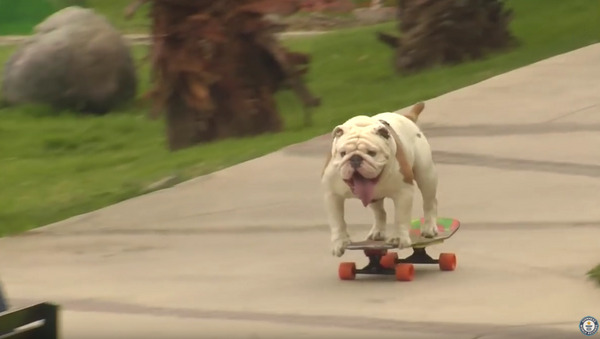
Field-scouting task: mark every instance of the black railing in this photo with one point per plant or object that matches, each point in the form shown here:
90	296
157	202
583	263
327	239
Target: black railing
38	321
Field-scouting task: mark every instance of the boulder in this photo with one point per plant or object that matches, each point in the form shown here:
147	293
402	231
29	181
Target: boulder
75	60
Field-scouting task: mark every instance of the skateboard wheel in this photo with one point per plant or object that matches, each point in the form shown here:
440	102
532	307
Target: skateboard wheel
375	253
389	260
347	271
447	261
405	272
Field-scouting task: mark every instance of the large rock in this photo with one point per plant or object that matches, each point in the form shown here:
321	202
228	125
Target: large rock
75	60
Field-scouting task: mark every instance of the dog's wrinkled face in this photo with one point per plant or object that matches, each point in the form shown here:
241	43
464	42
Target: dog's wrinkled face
362	148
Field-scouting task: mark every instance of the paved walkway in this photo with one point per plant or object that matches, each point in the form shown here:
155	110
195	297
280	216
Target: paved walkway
144	39
244	252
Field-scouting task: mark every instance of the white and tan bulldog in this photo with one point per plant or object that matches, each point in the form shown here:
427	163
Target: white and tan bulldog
378	157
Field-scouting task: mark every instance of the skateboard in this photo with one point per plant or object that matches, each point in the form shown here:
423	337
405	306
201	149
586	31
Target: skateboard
382	262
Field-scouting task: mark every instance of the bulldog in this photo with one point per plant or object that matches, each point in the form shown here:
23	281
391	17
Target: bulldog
378	157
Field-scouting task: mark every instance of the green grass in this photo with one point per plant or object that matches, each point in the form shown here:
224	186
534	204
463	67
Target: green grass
19	17
54	165
594	274
114	9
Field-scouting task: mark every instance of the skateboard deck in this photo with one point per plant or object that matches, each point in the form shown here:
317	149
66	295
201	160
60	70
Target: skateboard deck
382	262
446	228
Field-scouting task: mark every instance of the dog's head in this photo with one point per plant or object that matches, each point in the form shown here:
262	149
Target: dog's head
363	151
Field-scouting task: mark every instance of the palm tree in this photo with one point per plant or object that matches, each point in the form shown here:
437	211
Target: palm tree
216	65
435	32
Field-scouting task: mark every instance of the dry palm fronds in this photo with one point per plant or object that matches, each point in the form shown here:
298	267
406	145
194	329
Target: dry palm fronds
217	65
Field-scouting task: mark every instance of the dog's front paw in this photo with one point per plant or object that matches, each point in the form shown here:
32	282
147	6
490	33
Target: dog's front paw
429	231
376	234
338	247
400	242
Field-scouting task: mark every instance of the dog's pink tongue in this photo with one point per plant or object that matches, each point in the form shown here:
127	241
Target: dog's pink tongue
363	189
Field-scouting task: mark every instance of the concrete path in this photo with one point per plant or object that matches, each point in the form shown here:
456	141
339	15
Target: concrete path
144	39
244	252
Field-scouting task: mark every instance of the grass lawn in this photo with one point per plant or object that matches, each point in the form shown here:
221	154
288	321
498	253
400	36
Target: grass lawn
114	9
19	17
54	165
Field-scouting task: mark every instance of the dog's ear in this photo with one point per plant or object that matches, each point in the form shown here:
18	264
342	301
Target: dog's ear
338	131
384	132
405	167
413	115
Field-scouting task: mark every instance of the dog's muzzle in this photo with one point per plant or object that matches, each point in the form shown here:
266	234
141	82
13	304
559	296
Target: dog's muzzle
355	161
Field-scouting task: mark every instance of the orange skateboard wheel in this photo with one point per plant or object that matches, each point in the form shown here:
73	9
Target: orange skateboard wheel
447	261
347	271
405	272
375	252
389	260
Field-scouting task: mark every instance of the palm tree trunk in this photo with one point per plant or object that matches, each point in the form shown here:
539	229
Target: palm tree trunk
217	66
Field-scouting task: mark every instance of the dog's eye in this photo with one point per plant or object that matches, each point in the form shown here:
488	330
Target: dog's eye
342	154
372	153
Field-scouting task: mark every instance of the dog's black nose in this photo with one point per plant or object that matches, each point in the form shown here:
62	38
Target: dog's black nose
355	161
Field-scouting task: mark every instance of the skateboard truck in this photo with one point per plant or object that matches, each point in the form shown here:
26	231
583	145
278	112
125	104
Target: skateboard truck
419	256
